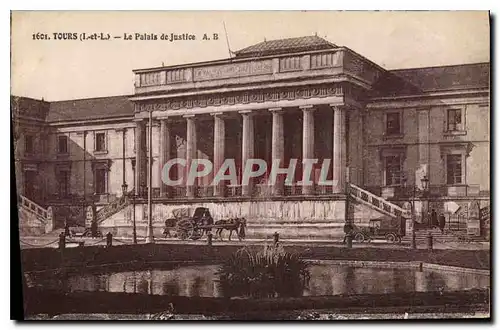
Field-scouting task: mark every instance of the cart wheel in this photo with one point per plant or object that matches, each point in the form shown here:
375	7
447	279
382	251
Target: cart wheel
87	233
185	229
398	239
359	237
391	238
197	233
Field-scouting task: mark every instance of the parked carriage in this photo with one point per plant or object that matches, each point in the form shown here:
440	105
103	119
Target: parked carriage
184	226
389	229
82	231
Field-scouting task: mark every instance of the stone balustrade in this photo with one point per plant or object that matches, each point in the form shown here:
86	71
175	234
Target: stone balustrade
267	68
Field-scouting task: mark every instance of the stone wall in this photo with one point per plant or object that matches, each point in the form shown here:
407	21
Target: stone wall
292	219
312	219
30	224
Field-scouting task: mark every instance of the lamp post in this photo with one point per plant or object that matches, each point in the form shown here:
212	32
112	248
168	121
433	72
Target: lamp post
150	235
134	228
425	187
412	202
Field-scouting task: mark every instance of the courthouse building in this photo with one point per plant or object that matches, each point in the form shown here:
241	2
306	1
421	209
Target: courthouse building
385	131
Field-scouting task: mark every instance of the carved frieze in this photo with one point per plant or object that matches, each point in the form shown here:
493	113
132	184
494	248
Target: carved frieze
233	70
242	98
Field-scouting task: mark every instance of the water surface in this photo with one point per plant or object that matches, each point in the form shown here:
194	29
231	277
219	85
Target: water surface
202	281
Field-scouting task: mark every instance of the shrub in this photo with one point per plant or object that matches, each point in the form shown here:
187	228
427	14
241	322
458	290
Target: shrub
271	272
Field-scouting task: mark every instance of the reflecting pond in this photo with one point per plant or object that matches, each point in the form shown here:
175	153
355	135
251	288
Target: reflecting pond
202	281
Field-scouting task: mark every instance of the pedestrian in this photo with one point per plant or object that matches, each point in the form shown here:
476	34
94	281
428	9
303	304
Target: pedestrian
241	233
166	231
66	228
93	228
434	219
442	222
348	228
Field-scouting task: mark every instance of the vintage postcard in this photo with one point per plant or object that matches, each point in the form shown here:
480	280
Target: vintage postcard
252	165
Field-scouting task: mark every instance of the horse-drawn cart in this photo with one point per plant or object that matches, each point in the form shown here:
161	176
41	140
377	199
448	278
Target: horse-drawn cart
184	226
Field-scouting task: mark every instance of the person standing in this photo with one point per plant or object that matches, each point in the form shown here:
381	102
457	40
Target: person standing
442	222
434	219
66	228
348	229
93	228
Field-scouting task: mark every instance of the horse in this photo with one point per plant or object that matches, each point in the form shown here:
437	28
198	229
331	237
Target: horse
233	224
205	220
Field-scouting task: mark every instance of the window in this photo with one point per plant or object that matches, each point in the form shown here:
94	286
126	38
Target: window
454	119
100	181
63	181
393	123
28	144
62	144
100	142
393	166
454	169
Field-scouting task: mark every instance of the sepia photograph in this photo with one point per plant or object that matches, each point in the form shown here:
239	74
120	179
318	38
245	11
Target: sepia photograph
251	165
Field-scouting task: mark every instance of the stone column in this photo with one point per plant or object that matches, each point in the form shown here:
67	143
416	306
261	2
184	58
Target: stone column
278	148
219	148
140	157
307	147
124	182
164	154
247	149
339	150
423	117
190	153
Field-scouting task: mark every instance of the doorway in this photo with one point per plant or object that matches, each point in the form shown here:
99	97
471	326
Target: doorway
30	184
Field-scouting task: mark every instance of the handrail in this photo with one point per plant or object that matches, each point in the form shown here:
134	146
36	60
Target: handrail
33	207
377	201
112	208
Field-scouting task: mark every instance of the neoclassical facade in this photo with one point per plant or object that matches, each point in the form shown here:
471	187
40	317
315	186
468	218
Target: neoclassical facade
376	132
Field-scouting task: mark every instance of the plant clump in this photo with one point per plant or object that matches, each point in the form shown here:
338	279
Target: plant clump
270	272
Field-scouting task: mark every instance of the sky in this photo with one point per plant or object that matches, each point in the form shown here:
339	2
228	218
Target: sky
72	69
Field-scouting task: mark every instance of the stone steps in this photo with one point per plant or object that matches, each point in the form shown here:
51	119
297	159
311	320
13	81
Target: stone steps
447	236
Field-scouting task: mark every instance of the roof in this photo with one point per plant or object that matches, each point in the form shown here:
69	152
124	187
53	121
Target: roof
94	108
431	79
29	107
282	46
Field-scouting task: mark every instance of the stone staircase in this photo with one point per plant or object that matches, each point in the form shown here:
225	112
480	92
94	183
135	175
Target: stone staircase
112	208
33	219
376	202
421	235
447	236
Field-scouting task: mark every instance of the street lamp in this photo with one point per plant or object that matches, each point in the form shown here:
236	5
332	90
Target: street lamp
412	203
425	187
134	229
425	183
150	235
